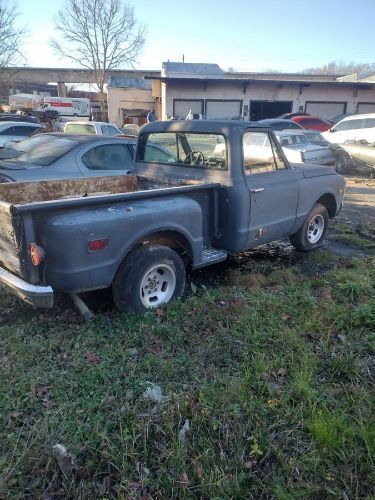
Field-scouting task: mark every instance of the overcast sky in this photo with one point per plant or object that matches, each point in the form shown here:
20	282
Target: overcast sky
248	35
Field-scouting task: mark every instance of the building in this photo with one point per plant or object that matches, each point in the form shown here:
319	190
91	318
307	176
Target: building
129	100
206	90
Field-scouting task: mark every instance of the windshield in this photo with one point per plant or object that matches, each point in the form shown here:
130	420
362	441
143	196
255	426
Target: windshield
47	153
316	138
29	143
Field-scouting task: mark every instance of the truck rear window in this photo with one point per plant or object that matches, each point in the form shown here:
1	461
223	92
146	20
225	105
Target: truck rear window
183	149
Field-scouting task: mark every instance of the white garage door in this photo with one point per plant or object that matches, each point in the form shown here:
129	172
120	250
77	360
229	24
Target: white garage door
182	108
325	109
366	107
223	109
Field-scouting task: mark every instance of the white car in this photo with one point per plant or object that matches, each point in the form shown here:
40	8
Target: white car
94	128
17	131
352	129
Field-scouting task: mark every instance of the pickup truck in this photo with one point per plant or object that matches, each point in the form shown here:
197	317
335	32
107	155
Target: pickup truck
200	190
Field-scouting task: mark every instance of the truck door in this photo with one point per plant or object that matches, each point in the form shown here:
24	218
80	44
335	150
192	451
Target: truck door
273	188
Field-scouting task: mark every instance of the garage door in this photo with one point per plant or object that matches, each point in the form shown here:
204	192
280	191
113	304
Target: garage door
325	109
181	108
223	109
366	107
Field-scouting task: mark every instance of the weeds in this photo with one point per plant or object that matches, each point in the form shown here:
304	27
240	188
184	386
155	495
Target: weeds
272	366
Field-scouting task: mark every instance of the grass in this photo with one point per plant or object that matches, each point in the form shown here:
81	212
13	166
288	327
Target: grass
269	358
362	236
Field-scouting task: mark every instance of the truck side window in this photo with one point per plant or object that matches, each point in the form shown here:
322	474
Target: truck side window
108	157
260	154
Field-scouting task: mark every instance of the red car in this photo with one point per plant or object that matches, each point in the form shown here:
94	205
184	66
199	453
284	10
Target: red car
312	123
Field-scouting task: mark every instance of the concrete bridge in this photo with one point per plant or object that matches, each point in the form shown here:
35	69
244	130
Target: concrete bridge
61	76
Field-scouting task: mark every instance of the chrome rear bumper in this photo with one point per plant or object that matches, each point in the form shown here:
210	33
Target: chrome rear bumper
37	295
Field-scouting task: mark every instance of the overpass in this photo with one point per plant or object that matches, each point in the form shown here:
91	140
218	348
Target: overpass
61	76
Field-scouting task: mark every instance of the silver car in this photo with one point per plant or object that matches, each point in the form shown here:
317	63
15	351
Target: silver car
65	156
17	131
299	149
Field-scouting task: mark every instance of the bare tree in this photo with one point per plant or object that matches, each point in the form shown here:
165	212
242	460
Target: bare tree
10	35
99	35
341	68
10	43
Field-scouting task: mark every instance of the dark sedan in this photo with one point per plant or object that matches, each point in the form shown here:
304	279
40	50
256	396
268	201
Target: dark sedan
65	156
280	124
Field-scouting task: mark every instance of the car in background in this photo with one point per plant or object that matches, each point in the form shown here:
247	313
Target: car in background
66	156
131	129
17	117
289	116
312	123
342	159
93	128
13	149
357	156
298	148
353	129
17	131
279	124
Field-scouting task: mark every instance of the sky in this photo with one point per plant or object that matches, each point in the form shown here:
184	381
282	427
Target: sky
246	35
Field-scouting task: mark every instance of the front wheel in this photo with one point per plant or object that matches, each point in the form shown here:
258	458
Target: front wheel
313	230
153	275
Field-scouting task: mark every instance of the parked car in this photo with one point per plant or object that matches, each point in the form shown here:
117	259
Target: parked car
17	117
191	213
312	122
13	149
66	156
289	116
17	131
279	124
357	156
340	117
299	149
353	129
92	128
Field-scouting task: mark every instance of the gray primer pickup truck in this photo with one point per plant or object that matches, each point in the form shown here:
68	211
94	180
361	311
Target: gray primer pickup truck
200	189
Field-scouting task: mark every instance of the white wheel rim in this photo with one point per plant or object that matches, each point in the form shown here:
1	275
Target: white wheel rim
315	228
157	286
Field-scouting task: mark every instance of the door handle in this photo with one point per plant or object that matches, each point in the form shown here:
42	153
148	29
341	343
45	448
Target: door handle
257	190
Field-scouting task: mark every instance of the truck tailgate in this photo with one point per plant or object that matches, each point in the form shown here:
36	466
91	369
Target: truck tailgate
9	246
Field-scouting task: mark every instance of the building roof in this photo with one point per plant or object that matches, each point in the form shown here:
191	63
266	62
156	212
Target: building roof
128	82
195	72
191	70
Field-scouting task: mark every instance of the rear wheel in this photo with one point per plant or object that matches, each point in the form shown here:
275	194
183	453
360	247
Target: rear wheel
313	230
153	275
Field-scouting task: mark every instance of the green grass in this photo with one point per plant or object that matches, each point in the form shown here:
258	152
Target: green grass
271	361
362	237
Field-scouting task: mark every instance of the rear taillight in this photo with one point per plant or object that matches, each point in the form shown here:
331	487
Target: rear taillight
36	254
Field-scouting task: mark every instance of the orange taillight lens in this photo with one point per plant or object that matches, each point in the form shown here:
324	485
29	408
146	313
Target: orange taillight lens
36	254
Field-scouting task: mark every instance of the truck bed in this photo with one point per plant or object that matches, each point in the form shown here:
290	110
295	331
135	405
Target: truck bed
21	193
26	207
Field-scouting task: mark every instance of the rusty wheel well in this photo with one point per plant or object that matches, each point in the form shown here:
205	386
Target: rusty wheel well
328	200
172	239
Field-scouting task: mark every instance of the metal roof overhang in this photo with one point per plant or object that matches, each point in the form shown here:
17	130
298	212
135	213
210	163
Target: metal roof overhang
247	81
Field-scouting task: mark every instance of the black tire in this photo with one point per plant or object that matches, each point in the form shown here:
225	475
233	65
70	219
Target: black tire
141	267
342	163
312	232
